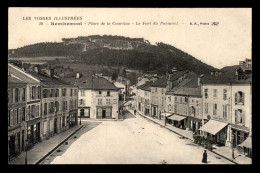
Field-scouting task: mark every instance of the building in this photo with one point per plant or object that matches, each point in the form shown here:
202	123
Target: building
122	90
227	106
17	127
158	90
143	99
58	104
33	104
97	98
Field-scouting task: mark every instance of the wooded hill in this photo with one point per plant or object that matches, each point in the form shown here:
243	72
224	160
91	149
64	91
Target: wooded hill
143	55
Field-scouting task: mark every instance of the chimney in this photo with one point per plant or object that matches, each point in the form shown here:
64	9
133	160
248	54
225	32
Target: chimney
199	79
50	72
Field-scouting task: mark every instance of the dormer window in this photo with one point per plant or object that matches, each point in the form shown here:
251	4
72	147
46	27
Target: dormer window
108	93
99	92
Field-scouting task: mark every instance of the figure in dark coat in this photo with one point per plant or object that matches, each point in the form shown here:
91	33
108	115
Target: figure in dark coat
135	112
204	159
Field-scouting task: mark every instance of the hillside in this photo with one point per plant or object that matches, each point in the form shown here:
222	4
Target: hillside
135	53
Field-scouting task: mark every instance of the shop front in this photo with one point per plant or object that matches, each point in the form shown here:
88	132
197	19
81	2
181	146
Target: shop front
246	146
33	131
14	142
177	121
72	118
104	112
154	111
215	131
194	124
240	134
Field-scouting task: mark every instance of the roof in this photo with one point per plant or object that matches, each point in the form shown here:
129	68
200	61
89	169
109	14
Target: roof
189	82
19	73
247	143
225	79
188	91
48	80
146	86
96	83
13	80
177	74
176	117
161	82
213	127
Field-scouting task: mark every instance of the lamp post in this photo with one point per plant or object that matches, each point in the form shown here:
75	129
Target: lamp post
26	148
80	119
233	156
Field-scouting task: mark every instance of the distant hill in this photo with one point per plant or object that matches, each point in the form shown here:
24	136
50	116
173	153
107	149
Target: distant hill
135	53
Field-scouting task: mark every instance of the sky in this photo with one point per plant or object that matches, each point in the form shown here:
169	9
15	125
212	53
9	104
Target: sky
223	44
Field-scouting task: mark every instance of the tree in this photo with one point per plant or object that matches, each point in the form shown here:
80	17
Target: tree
114	75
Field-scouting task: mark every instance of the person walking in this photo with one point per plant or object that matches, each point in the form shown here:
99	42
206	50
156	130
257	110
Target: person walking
165	121
204	159
135	112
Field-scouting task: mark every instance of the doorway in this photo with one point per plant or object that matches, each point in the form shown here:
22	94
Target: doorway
103	113
55	125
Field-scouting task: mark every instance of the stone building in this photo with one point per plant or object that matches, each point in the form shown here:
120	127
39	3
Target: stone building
17	127
97	98
33	104
58	104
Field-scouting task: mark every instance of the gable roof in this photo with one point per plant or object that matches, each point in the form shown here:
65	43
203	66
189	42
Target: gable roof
19	73
188	91
161	82
225	79
49	81
95	83
13	80
177	74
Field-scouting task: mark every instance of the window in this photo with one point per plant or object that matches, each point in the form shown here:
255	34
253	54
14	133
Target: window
186	99
52	93
108	112
16	94
99	101
64	92
45	93
82	92
81	102
57	106
224	111
175	99
108	93
33	92
214	109
23	95
99	92
17	115
9	117
206	108
51	107
33	111
39	92
23	114
155	89
76	104
206	92
215	93
169	98
169	108
71	104
75	92
71	92
239	97
63	121
224	94
108	101
162	90
239	117
9	95
57	92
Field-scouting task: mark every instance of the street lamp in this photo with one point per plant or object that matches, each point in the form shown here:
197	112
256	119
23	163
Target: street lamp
26	148
233	156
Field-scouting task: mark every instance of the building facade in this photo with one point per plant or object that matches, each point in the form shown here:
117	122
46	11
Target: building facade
17	127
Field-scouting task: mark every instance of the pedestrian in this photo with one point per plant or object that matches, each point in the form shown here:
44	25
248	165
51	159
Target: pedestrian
204	159
135	111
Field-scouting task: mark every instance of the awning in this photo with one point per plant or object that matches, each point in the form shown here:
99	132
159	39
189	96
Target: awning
247	143
167	114
213	127
176	117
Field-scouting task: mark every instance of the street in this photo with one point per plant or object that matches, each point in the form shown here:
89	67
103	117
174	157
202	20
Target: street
133	141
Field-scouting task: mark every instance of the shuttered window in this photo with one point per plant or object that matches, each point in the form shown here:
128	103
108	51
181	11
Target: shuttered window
11	117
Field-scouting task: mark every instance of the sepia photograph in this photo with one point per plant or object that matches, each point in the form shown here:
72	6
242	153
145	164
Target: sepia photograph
156	86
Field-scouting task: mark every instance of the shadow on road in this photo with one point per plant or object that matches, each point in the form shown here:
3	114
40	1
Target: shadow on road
128	115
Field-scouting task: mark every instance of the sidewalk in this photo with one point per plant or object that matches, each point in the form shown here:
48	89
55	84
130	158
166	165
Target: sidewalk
40	150
225	152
